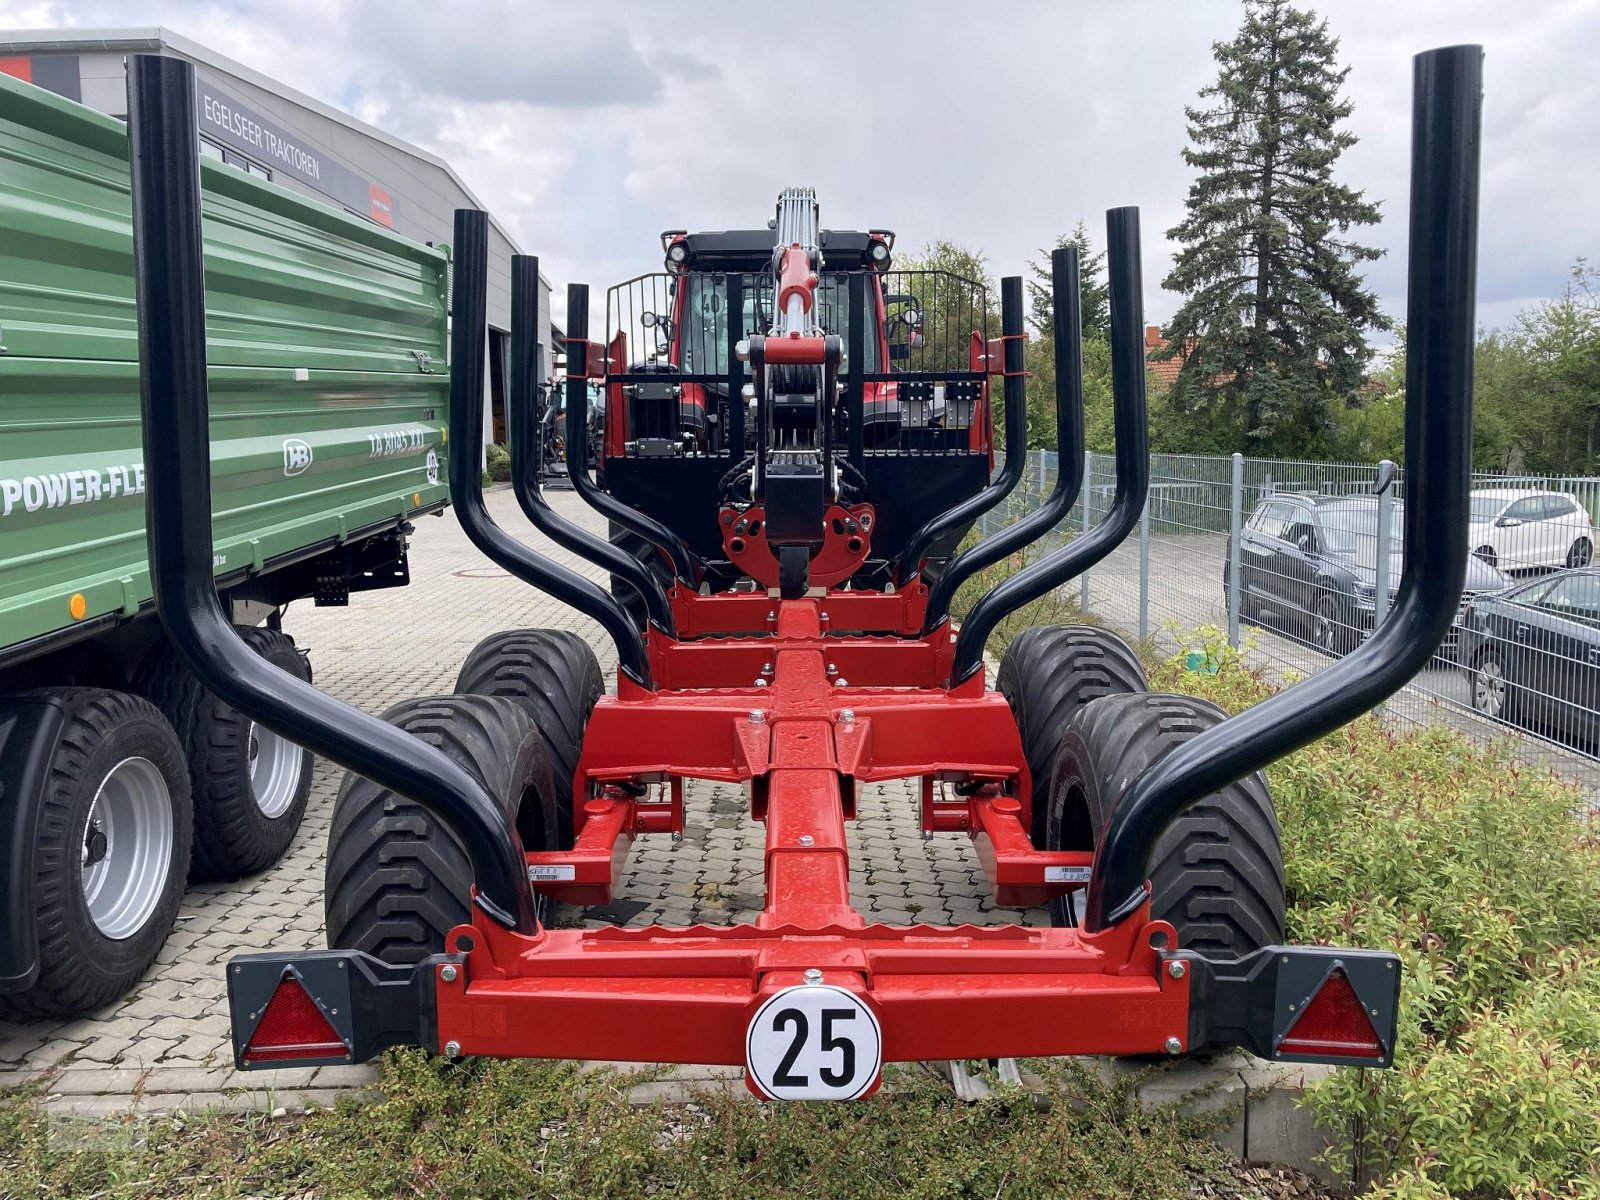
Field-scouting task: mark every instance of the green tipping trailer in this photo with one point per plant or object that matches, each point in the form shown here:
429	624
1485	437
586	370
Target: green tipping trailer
327	341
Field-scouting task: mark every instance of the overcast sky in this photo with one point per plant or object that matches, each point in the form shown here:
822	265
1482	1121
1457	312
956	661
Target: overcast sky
587	128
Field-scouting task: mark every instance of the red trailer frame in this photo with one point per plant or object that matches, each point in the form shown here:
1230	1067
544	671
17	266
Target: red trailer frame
788	697
769	698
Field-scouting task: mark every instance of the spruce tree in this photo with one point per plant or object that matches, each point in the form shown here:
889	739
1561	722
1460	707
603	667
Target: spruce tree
1093	292
1274	326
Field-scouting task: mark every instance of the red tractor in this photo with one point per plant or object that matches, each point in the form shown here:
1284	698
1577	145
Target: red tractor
909	392
795	487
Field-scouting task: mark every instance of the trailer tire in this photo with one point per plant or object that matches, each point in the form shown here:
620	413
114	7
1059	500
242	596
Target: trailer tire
99	930
647	553
555	675
1217	872
250	785
1047	674
397	880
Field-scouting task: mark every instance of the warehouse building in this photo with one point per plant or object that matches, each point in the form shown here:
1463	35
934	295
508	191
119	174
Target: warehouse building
255	123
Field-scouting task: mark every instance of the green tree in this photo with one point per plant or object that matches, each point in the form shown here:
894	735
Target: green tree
1041	362
1536	391
1093	292
1273	331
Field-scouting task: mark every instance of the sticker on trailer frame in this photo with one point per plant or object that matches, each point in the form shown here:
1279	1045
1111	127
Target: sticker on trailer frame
814	1042
551	873
297	457
1067	874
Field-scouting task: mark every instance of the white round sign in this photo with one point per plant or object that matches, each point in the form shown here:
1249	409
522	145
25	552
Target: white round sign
814	1042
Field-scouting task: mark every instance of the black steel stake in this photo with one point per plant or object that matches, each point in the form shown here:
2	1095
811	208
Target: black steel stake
1016	459
1067	332
527	455
169	285
468	335
1447	111
1132	428
630	518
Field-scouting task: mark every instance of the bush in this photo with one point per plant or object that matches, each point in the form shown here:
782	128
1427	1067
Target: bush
497	462
1484	876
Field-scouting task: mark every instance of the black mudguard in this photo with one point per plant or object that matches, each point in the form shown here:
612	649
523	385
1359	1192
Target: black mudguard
30	726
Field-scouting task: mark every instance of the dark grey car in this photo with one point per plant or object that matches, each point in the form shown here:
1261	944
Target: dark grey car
1309	563
1533	655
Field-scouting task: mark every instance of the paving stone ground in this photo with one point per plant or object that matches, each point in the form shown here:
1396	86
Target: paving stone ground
166	1045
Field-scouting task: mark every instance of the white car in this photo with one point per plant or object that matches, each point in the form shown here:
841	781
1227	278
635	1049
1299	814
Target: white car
1513	528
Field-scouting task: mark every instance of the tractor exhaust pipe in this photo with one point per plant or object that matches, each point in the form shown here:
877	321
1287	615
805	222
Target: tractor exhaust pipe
1133	455
1016	402
1447	113
527	453
468	336
630	518
169	282
1068	332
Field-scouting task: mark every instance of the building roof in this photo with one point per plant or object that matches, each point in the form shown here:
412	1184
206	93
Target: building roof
154	37
1165	370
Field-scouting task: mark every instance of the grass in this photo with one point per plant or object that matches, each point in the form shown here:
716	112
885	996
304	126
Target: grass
528	1129
1483	875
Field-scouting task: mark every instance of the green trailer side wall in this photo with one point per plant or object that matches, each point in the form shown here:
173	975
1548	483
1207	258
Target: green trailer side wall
326	338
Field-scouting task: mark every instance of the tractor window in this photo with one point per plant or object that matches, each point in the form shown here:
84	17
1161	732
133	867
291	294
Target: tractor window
703	340
704	337
833	313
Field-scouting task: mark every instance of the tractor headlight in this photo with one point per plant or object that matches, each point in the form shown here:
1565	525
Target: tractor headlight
880	254
677	255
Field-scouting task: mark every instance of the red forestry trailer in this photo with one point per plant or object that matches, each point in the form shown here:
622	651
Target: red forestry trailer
790	459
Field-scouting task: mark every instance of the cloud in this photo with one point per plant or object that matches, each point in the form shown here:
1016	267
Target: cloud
589	128
568	57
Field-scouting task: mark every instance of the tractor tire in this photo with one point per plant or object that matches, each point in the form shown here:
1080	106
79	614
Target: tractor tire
553	673
646	553
1217	872
1047	674
112	853
250	785
397	880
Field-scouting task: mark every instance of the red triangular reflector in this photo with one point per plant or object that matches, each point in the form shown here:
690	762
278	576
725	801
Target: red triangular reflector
1333	1024
293	1027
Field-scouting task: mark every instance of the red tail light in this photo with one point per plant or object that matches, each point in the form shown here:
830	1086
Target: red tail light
1333	1024
293	1027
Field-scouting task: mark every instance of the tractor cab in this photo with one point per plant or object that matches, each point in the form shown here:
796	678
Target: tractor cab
698	429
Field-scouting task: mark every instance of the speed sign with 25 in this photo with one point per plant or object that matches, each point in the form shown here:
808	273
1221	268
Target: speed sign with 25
814	1042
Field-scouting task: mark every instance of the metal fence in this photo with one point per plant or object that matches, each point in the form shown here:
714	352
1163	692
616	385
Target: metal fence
1318	562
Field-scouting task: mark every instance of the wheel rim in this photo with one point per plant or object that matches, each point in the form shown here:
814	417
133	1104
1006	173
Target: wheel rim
127	848
1580	554
1326	631
1489	688
275	767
